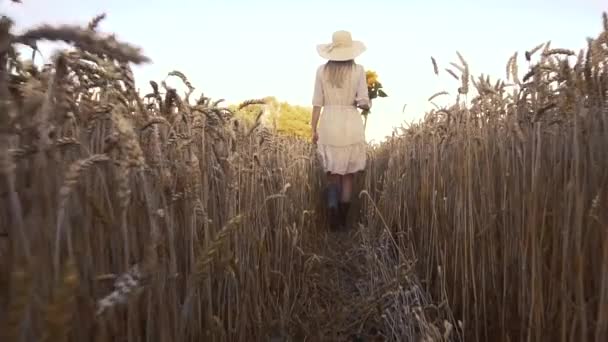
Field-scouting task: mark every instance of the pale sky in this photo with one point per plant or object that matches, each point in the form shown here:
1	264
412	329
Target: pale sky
237	50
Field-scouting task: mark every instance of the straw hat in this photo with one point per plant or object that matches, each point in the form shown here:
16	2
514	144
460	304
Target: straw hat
342	47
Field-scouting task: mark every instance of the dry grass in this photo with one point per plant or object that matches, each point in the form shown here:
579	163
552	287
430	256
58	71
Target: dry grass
165	218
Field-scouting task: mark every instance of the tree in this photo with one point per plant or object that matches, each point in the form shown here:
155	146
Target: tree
284	118
294	120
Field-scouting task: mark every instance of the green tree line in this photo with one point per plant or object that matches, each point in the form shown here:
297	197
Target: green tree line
285	118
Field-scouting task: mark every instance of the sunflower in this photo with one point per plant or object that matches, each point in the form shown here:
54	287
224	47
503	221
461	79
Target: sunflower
371	77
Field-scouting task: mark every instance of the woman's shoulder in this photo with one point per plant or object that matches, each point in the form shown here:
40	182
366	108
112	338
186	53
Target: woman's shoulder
359	69
320	69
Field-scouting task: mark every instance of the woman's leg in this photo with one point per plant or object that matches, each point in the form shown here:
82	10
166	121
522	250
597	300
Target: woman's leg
334	185
347	187
347	191
333	199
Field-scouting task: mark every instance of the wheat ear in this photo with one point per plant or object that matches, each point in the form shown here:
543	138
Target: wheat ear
70	181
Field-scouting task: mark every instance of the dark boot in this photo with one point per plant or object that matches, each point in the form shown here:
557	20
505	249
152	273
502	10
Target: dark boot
343	209
333	195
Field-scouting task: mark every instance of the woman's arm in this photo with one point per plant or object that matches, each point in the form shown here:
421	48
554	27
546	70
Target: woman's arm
316	111
317	100
362	98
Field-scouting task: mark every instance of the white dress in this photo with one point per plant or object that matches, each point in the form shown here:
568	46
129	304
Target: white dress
341	145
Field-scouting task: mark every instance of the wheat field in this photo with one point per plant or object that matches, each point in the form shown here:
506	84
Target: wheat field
162	217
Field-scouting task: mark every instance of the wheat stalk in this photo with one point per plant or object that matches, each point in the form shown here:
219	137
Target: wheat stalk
86	40
62	306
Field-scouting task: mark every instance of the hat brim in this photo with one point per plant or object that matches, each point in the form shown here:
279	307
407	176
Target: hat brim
341	53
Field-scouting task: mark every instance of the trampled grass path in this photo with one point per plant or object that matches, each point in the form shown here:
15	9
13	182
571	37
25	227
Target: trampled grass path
354	296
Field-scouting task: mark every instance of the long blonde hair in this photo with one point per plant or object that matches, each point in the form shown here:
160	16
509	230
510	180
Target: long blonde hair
336	71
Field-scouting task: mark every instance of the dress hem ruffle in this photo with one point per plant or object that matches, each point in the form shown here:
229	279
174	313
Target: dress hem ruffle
343	159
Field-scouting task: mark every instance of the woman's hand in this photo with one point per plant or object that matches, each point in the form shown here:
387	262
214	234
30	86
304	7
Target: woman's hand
363	106
315	136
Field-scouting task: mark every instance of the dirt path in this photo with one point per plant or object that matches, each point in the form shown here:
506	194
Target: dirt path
362	289
345	272
336	291
342	291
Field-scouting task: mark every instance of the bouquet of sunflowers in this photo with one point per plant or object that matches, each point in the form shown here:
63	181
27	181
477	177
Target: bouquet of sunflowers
374	89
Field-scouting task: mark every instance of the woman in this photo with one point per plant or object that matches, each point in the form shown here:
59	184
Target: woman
340	88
